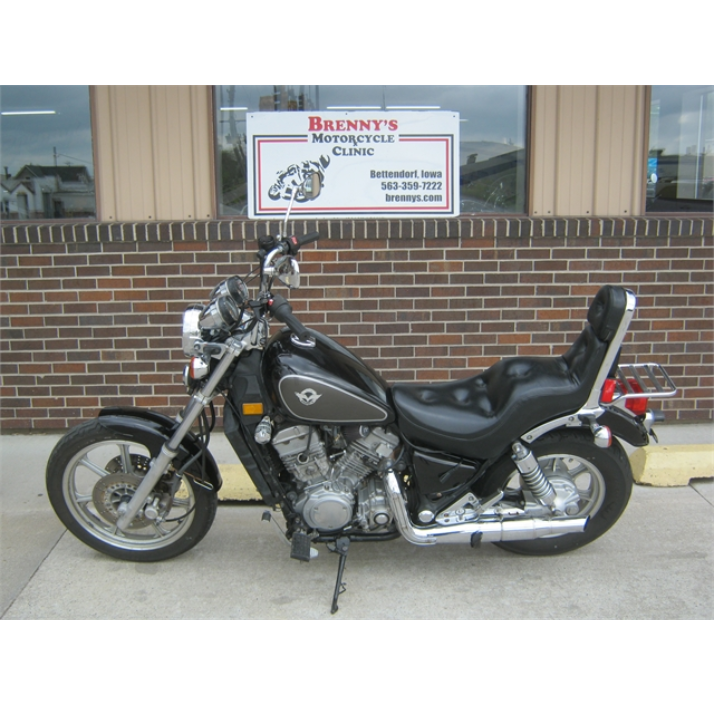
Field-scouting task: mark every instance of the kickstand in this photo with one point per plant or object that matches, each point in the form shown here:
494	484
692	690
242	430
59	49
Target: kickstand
341	546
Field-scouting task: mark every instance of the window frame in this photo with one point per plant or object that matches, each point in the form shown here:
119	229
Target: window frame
527	178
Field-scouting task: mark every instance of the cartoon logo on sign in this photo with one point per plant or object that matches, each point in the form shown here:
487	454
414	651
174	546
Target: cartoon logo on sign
295	175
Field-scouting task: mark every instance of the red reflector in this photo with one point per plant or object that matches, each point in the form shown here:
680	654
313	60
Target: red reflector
637	406
608	390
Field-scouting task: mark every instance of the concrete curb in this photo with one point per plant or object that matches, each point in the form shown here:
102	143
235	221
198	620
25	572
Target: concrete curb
237	485
656	466
672	465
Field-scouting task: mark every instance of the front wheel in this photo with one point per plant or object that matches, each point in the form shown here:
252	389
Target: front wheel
94	470
602	477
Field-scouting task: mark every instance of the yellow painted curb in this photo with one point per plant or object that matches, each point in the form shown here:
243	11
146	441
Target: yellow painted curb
237	485
672	465
660	466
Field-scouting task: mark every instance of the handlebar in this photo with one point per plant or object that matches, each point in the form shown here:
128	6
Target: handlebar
283	311
278	306
295	242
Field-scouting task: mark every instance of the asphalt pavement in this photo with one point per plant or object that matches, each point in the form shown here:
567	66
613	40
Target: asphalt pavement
656	563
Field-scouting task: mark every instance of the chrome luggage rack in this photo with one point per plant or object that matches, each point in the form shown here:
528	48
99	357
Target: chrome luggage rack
653	380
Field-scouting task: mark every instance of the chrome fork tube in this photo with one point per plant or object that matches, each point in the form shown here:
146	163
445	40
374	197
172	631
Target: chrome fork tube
168	452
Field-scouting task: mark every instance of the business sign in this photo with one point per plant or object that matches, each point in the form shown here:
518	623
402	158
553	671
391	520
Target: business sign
372	164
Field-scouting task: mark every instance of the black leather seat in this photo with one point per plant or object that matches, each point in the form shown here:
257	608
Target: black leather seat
481	416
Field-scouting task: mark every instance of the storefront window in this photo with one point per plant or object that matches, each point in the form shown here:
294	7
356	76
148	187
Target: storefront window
47	168
493	123
680	165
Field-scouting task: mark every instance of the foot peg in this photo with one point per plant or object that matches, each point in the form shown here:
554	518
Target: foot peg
300	547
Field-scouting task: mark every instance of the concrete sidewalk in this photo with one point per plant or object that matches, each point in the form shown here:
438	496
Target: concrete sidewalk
656	563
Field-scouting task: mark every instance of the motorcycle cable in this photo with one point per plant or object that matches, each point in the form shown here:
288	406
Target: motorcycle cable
252	275
203	437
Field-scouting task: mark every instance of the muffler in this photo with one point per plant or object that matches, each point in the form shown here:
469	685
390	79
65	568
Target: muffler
474	532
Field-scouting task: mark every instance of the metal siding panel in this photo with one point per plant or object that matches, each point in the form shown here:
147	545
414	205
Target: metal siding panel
588	146
615	177
576	150
154	152
544	149
162	152
104	178
631	153
603	158
133	153
173	133
202	145
641	149
187	204
620	138
563	175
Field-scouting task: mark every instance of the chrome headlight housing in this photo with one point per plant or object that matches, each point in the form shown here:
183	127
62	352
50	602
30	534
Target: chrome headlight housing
191	328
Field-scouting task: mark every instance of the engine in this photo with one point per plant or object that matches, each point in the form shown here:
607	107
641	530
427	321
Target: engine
336	490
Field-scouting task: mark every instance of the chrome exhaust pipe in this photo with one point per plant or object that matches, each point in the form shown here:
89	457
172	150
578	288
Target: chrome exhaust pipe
473	532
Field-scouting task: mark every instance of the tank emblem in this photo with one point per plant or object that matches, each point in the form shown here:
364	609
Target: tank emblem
308	396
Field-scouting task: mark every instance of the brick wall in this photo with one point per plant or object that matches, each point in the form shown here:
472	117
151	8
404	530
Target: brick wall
91	313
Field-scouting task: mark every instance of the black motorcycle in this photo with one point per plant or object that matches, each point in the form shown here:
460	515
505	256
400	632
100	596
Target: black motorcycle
525	454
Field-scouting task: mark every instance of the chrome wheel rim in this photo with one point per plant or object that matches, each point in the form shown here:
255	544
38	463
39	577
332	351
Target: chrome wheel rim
587	479
95	483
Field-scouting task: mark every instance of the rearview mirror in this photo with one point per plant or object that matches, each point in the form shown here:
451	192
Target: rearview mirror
288	272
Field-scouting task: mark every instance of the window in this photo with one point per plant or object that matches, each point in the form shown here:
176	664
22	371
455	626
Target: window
680	165
47	168
493	133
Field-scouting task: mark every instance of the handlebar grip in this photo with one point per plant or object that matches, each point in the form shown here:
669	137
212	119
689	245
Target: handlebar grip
283	311
307	238
295	242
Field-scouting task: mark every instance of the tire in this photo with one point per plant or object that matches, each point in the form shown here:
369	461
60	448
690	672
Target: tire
86	481
602	476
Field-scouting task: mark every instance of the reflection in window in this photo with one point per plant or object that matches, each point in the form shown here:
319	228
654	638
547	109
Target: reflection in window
47	168
680	165
493	133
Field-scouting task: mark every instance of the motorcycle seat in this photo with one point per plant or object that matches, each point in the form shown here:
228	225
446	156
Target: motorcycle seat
481	416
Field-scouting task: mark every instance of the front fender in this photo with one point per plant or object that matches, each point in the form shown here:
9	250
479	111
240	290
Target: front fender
153	430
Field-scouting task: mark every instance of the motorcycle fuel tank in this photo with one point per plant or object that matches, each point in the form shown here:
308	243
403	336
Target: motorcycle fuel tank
323	382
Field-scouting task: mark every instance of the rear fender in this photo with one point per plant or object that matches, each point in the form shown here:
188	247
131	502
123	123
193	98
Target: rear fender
629	428
153	430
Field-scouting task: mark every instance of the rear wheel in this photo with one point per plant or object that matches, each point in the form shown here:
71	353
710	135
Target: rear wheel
93	471
602	477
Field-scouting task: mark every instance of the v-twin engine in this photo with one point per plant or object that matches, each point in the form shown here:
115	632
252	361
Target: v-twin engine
343	488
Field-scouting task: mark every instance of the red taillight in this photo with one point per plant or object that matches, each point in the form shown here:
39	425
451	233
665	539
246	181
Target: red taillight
608	390
638	405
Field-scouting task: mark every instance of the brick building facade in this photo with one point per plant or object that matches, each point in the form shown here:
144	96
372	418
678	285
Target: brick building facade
91	313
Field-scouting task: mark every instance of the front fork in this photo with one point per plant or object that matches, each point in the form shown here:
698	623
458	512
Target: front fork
160	464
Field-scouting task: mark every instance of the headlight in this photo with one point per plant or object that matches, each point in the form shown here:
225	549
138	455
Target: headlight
191	329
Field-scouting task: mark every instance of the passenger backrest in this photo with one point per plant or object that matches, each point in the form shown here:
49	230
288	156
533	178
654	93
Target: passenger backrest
587	353
607	310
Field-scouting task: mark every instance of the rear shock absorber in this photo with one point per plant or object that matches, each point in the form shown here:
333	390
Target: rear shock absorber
532	475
